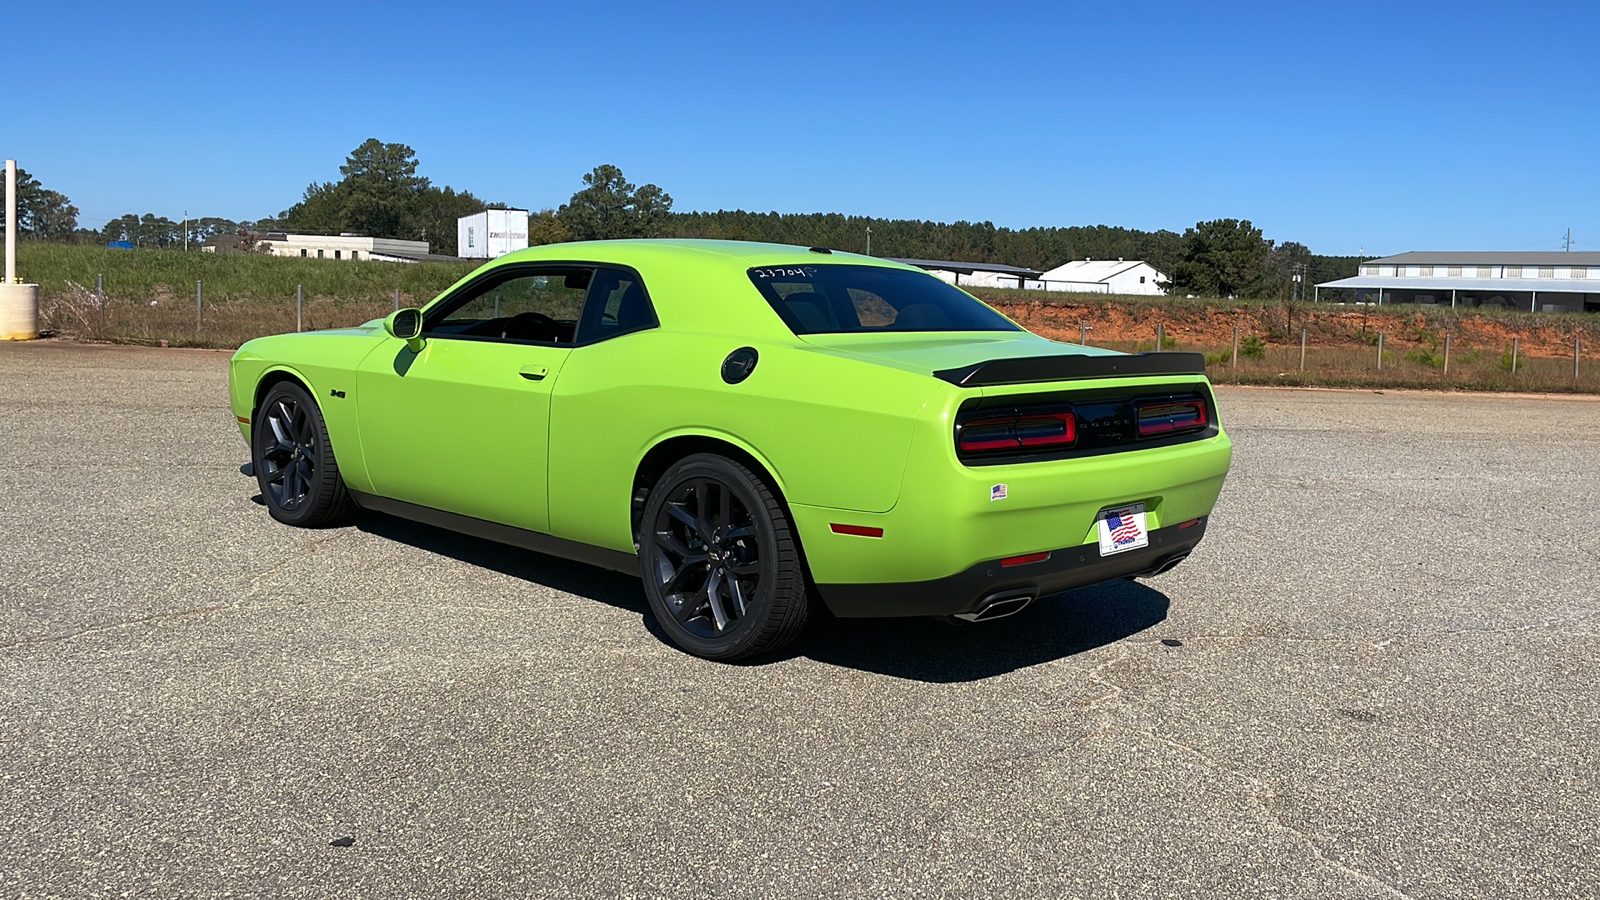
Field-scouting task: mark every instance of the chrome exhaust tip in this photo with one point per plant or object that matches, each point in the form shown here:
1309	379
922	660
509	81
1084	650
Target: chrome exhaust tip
998	606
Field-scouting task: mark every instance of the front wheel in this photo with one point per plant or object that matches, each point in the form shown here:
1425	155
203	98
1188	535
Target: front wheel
294	464
722	567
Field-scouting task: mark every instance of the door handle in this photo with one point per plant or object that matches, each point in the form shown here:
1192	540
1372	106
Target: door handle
533	373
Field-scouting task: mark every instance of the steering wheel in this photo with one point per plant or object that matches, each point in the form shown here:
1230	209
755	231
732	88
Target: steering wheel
528	326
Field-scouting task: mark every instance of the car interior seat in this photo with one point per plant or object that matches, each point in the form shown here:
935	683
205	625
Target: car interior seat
921	317
807	309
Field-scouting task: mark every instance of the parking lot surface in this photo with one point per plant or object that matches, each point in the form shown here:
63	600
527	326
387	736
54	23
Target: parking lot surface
1376	677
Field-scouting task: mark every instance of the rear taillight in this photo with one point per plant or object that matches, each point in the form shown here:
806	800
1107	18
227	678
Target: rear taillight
1016	431
1171	417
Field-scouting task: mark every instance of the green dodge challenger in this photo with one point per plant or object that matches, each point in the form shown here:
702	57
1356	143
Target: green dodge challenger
752	428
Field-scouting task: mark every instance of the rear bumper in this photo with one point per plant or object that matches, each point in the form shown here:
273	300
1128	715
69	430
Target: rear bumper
968	590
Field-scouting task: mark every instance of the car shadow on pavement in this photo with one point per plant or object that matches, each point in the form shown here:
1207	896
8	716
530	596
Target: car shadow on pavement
919	649
934	650
592	582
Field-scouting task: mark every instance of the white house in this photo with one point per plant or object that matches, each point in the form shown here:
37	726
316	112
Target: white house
1104	276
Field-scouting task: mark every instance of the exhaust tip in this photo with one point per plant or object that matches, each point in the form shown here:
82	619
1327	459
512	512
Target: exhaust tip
998	606
1166	565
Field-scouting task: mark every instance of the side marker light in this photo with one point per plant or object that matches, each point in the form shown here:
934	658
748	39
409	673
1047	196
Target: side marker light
857	530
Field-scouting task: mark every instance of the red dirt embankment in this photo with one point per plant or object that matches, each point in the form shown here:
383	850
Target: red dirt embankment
1194	325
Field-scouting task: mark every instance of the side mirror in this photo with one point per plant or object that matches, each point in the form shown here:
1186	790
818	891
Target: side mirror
406	324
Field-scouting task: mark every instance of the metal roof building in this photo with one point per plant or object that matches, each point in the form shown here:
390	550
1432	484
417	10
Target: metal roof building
978	274
1548	281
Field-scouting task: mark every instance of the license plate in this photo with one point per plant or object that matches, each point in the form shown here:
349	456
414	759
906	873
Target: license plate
1122	528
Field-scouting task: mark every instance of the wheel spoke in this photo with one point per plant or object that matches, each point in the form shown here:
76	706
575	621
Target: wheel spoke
690	607
676	576
275	473
743	531
737	593
713	589
752	567
282	437
725	507
677	548
683	515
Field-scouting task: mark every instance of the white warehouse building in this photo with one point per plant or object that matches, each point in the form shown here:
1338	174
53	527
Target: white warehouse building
1537	281
322	246
1104	276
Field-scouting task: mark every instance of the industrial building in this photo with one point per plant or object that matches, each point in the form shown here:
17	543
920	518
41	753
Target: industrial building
970	274
1104	276
1537	281
319	246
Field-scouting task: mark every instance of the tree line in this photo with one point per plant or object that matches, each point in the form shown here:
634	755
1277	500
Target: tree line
380	194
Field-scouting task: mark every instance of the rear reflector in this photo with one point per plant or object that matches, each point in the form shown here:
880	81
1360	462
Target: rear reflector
1025	559
1013	432
1189	524
857	530
1168	417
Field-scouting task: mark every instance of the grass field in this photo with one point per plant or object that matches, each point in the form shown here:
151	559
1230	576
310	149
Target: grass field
150	298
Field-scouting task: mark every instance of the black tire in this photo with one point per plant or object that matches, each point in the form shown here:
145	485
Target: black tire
722	567
293	459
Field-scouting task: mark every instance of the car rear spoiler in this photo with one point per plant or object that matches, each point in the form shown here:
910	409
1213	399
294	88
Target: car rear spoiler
1025	369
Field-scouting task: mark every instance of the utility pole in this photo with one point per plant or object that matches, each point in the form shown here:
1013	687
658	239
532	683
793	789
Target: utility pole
186	231
869	240
1569	240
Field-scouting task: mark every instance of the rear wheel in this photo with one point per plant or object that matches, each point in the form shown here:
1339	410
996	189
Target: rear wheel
722	567
294	462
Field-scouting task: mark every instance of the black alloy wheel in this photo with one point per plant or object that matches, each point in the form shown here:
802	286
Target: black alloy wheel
294	463
721	565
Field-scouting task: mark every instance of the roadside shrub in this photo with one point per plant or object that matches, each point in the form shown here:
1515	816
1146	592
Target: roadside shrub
1253	347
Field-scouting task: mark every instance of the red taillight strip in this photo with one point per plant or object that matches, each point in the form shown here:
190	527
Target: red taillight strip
857	530
1025	559
1014	431
1163	415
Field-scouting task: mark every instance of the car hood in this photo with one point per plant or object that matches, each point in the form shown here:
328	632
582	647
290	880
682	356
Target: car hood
930	352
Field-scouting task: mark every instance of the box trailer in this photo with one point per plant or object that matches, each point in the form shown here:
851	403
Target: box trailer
491	233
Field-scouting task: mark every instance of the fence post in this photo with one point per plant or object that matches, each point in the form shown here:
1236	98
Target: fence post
1161	336
299	305
1380	351
199	294
1236	346
1083	333
1447	353
397	299
1577	345
1302	349
1513	356
100	290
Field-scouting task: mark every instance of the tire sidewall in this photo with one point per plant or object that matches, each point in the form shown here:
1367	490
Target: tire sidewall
260	435
729	474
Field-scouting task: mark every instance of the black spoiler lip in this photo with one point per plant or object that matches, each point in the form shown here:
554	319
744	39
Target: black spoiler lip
1026	369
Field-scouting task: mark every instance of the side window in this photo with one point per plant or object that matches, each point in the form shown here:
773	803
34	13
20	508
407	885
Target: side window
618	304
522	305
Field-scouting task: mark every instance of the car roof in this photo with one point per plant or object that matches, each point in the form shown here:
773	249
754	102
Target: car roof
746	254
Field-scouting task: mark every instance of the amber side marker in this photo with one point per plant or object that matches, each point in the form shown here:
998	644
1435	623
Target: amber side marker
1025	559
243	419
857	530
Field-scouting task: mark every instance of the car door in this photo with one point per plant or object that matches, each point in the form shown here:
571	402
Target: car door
463	425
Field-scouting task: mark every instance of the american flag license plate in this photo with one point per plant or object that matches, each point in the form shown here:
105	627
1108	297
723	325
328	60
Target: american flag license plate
1122	528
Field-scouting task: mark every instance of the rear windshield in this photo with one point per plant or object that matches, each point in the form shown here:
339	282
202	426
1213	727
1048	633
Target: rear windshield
830	299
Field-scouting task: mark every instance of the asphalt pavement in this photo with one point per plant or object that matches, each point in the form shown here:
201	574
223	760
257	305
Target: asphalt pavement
1376	677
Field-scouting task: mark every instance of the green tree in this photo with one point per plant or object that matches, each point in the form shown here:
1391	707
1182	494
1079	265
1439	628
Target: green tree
609	207
42	214
545	228
1223	258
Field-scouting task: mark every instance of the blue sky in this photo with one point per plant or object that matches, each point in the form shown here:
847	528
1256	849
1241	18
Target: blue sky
1389	127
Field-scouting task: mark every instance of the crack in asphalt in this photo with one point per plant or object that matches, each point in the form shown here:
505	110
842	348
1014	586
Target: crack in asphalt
252	591
1258	792
112	626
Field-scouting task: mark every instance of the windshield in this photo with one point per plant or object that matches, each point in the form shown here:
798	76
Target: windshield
834	299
